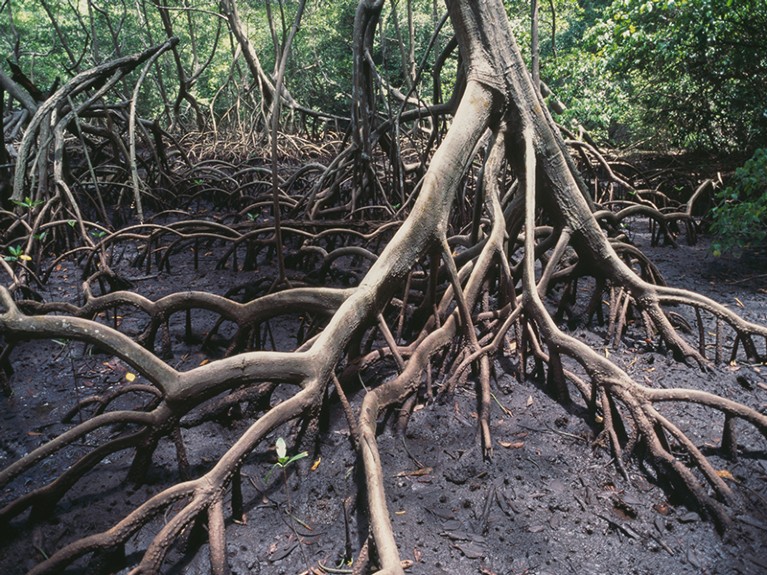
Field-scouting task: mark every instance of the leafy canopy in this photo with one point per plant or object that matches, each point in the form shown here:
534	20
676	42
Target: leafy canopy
740	218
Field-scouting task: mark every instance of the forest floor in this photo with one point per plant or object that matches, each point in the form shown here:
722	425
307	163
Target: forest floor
549	501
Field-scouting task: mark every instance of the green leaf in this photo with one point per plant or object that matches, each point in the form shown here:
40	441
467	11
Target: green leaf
296	457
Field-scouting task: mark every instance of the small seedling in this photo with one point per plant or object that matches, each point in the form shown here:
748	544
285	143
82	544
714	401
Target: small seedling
28	203
283	460
16	253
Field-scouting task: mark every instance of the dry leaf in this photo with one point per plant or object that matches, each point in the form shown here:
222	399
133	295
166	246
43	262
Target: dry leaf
725	474
417	473
406	563
529	400
316	464
417	555
511	444
205	362
130	377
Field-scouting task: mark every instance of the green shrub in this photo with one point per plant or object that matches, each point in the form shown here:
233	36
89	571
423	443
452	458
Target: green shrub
740	216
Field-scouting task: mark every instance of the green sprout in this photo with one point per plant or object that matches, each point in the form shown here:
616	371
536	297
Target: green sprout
283	462
28	203
283	459
16	253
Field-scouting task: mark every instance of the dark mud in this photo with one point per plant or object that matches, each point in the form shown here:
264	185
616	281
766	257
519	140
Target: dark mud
551	501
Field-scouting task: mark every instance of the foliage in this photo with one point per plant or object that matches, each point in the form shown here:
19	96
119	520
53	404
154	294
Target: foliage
740	218
15	254
681	73
574	67
697	68
322	57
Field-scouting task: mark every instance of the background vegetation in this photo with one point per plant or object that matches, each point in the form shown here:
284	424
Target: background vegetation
657	74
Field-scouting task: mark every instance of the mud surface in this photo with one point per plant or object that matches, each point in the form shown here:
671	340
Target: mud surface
550	500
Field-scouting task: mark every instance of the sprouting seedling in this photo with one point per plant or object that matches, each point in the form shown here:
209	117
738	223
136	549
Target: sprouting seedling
283	459
28	203
15	254
282	454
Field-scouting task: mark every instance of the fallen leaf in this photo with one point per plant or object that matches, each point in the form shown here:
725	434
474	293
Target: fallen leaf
511	444
33	433
316	464
529	400
205	362
130	377
417	555
725	474
406	563
417	473
25	258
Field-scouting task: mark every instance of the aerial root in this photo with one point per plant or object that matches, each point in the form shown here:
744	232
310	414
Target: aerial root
204	498
619	397
614	384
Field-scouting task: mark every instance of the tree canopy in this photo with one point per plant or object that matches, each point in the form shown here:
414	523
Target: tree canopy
670	73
